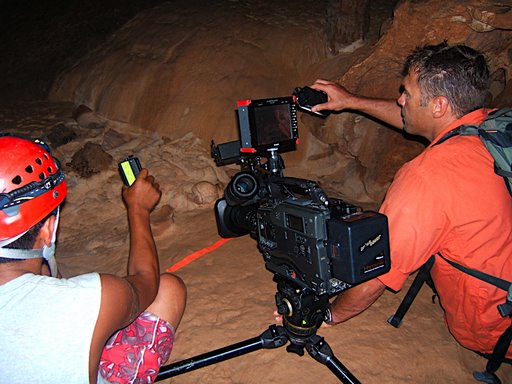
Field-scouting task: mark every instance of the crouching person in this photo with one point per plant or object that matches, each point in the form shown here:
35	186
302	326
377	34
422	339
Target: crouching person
89	328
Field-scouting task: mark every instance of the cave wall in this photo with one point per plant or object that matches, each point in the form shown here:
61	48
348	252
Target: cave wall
180	68
374	152
40	39
173	74
347	23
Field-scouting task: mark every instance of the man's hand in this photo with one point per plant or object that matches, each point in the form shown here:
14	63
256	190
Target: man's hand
338	98
143	194
386	110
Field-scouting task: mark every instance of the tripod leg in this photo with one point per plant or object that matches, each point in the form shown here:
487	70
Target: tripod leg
496	358
273	337
322	352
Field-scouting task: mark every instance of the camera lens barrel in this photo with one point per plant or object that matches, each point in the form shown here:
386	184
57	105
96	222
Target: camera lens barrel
243	187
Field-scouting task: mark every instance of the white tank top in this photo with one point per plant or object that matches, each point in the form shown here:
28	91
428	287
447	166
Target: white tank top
46	327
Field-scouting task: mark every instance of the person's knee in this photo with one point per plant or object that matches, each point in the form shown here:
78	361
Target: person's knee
171	299
172	286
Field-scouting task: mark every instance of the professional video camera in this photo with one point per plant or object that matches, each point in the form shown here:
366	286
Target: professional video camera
316	246
320	243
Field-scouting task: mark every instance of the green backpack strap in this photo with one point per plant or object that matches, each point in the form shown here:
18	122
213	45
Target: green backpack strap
496	135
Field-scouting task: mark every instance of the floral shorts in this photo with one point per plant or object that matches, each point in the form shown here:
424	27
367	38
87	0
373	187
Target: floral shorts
135	353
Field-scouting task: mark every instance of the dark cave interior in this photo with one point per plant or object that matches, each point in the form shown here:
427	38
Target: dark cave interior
41	39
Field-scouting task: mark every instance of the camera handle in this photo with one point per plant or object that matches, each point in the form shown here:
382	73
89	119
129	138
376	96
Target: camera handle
275	336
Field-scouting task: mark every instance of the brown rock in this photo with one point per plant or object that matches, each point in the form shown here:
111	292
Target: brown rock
90	159
60	134
204	192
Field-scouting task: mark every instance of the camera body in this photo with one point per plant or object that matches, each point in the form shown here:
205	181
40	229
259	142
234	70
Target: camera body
318	243
325	248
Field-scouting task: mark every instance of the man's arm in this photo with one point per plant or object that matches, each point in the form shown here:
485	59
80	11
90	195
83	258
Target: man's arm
355	300
386	110
143	266
123	299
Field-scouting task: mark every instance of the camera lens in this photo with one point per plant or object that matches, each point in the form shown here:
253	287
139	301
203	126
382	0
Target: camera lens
243	187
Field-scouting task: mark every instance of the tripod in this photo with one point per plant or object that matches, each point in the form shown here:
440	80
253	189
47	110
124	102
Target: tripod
303	312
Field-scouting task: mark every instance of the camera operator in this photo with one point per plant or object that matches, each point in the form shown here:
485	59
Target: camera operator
447	200
90	328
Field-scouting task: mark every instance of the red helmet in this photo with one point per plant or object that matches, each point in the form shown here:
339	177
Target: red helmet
31	184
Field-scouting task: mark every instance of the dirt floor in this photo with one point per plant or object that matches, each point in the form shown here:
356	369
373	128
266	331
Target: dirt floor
230	292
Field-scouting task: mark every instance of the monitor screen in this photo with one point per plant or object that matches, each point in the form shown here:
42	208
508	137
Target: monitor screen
272	123
268	123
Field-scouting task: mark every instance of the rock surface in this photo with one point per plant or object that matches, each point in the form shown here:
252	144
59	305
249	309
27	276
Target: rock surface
172	74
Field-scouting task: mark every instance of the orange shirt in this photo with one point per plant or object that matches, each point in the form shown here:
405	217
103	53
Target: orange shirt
449	200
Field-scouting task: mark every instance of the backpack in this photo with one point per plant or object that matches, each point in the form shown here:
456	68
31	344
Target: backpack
496	134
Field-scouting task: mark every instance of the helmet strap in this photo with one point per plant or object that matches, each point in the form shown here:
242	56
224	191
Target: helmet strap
11	240
47	252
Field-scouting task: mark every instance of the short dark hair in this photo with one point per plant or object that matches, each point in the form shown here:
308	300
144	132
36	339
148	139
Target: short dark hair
26	241
459	73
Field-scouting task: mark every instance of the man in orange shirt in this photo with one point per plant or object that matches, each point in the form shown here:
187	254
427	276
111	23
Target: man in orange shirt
447	200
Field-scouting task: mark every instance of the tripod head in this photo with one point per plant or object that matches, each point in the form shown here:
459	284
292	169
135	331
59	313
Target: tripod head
303	312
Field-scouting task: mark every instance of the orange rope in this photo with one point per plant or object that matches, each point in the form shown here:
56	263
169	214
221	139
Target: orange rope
196	255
